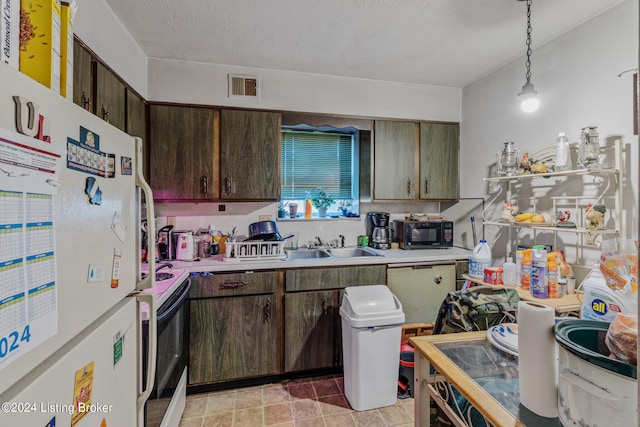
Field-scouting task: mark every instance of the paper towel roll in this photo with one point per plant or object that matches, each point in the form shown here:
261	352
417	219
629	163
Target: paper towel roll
537	359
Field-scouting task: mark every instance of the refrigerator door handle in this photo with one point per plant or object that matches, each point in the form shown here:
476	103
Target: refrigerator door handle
150	280
150	299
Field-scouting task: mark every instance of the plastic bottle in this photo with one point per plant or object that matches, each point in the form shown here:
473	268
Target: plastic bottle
308	208
601	302
479	260
552	275
539	272
563	155
519	253
509	272
525	269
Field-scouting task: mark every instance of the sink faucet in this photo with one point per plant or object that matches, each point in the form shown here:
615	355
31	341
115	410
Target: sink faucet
319	241
341	240
163	265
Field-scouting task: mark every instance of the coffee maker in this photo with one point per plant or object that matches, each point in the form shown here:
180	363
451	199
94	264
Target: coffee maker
378	230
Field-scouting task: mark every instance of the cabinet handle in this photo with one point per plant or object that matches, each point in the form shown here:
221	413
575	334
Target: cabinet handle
267	311
86	101
325	307
408	187
228	184
426	186
227	284
204	184
437	279
104	113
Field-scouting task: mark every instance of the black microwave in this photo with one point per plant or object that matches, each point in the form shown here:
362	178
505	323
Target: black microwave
424	234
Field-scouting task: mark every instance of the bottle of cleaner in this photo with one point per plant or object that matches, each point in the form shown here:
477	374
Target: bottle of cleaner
525	270
509	272
563	156
539	272
479	260
552	275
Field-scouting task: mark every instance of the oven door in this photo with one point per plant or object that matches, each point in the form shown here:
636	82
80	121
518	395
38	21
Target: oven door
172	355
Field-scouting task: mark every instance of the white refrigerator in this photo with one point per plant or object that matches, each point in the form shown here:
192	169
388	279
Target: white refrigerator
70	214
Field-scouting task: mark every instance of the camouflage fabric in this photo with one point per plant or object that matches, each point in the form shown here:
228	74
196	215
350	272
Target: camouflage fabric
476	309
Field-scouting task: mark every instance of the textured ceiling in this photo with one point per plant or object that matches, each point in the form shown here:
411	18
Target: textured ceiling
440	42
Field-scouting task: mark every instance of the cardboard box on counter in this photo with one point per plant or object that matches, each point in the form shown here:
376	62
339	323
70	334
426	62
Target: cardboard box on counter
10	32
40	41
67	13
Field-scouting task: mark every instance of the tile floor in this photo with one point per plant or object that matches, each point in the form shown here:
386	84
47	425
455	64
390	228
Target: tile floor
311	402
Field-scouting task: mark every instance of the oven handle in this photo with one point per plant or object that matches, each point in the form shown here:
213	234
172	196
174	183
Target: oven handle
150	299
183	296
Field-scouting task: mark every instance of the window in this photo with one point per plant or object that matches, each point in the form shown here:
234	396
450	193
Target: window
313	157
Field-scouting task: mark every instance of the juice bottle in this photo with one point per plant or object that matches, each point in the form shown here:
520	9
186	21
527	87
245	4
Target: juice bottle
525	269
552	275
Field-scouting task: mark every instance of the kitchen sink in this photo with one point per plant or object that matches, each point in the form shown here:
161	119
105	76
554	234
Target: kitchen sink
329	253
306	253
351	252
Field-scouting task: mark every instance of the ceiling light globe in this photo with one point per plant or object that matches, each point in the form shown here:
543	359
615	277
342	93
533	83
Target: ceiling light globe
529	98
530	105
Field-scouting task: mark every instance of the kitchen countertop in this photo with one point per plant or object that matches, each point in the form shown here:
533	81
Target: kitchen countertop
395	257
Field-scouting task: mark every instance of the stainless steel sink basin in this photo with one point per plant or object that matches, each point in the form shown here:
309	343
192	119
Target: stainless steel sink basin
329	253
351	252
306	253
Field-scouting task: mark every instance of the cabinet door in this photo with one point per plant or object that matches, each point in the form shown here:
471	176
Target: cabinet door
182	152
421	289
136	126
232	338
110	97
309	335
250	155
439	148
83	77
394	160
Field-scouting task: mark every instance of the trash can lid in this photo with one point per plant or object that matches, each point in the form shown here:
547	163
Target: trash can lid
368	306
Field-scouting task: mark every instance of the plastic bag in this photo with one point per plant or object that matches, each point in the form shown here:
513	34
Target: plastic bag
622	338
619	264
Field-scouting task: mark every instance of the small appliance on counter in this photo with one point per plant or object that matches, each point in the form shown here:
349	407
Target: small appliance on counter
166	243
185	248
424	234
378	229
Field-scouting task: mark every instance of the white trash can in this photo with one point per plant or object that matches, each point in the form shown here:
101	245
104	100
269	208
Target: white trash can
372	320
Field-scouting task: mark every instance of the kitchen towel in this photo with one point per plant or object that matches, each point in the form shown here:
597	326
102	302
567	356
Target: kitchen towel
537	359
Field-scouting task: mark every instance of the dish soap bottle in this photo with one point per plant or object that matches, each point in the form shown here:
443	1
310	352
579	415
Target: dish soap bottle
563	155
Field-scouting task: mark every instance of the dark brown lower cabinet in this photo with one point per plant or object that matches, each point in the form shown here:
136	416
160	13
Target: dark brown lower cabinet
312	323
233	335
309	330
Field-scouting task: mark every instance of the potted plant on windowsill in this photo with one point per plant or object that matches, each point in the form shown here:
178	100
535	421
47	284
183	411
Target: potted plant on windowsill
321	201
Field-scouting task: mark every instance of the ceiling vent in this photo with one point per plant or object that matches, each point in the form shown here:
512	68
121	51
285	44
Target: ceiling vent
244	86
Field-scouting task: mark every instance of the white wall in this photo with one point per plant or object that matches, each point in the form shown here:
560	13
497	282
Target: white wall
576	78
199	83
98	27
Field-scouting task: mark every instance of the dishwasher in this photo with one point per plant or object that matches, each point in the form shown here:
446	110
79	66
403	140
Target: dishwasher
421	288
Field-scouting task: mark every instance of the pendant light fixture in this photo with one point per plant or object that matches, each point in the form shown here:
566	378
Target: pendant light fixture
528	97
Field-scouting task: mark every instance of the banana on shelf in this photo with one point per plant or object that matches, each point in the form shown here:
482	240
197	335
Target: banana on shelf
534	217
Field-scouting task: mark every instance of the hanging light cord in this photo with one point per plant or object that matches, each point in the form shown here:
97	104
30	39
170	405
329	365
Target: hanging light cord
528	63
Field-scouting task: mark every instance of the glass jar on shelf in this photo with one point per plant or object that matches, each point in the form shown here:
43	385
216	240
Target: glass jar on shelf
589	150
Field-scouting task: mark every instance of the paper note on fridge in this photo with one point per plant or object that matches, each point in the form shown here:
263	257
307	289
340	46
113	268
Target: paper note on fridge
29	163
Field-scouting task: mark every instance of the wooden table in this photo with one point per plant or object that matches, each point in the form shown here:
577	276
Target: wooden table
465	364
567	304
